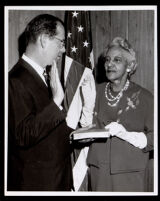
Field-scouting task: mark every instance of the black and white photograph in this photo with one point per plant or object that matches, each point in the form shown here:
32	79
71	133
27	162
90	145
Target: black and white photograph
80	100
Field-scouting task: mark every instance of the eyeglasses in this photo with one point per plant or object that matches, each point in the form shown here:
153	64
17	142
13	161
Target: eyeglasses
62	41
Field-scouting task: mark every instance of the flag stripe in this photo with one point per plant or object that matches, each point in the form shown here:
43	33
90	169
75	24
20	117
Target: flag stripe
73	79
92	59
68	62
75	107
80	168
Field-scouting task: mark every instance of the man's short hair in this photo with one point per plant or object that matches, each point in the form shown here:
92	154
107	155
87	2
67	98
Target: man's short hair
42	24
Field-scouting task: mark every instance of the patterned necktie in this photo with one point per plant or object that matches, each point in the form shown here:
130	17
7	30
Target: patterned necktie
47	79
46	76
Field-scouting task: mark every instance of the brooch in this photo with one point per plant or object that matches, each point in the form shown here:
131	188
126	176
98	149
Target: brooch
133	101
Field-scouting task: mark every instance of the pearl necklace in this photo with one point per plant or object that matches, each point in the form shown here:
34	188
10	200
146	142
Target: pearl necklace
114	98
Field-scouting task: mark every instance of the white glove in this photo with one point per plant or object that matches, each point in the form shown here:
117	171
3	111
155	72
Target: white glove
114	128
137	139
89	96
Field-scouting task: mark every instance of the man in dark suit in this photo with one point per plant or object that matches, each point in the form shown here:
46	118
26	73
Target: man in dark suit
38	132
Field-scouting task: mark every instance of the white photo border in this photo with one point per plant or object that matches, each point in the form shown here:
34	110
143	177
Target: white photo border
88	8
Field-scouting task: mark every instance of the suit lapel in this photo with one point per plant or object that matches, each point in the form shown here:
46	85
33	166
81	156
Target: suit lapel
40	83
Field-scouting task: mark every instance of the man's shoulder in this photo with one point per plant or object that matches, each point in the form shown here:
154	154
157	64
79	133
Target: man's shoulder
19	70
16	69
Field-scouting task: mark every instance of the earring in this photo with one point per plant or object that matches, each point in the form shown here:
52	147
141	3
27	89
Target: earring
128	70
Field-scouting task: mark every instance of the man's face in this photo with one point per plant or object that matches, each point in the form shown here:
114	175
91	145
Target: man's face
55	46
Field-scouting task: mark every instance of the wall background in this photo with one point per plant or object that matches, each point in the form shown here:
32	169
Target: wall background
135	25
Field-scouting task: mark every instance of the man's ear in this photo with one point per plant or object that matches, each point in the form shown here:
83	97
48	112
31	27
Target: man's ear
43	40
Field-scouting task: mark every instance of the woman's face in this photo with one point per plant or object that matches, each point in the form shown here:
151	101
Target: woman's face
115	64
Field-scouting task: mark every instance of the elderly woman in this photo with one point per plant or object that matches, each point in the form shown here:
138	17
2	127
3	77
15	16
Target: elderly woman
125	109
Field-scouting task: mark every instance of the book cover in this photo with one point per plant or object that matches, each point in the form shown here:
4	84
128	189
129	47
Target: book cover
84	133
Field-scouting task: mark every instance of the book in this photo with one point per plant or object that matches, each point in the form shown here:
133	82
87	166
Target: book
84	133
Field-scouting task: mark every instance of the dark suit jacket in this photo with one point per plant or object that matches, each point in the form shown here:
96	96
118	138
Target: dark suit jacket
38	137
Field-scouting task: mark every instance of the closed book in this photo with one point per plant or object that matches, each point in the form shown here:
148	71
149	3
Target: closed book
93	132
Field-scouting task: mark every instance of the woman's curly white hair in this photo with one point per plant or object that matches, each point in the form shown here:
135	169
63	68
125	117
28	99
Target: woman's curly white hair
124	44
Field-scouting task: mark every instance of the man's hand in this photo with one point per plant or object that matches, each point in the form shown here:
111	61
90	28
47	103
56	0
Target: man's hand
56	87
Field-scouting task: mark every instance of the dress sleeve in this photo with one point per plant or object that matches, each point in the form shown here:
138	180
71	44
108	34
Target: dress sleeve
149	123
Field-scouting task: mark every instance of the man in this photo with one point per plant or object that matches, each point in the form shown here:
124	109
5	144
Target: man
38	135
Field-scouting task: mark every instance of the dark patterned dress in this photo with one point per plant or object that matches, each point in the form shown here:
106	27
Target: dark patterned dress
115	164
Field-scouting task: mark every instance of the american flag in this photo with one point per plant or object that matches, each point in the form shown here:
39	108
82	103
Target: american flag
78	61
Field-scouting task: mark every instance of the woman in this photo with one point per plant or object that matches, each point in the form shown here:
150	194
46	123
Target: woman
125	109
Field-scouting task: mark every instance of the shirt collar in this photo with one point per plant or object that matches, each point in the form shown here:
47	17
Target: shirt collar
35	66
